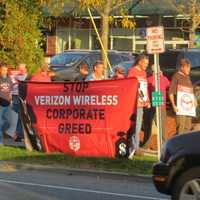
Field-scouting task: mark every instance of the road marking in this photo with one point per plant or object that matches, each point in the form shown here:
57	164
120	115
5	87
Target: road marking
80	190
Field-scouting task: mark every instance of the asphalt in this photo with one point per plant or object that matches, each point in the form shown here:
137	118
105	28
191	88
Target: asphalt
43	185
6	166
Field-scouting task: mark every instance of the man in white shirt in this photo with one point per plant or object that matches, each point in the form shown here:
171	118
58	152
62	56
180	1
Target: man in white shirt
98	72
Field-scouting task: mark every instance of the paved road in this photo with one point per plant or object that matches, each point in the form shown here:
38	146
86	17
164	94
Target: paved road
41	185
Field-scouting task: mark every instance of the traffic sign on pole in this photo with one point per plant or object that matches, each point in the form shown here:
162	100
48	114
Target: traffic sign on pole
157	99
155	40
155	45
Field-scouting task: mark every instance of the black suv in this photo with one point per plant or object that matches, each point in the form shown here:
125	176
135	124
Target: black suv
66	64
169	61
178	172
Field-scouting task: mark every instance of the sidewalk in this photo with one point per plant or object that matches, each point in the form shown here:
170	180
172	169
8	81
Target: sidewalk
8	167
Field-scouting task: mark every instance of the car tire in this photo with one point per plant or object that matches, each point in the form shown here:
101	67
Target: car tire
184	184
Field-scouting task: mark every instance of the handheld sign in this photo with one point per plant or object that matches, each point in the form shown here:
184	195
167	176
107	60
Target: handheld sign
186	101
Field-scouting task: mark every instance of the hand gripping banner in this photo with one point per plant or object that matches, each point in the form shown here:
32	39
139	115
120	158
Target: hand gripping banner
80	118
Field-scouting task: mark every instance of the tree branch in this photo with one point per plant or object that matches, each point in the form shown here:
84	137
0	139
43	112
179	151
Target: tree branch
99	10
121	4
125	2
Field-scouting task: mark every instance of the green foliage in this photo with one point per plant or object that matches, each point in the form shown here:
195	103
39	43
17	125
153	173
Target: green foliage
20	35
58	7
139	165
197	94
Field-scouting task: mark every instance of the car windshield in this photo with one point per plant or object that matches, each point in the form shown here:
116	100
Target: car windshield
67	59
194	58
166	60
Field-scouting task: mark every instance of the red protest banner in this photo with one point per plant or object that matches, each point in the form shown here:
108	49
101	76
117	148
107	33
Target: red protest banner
82	118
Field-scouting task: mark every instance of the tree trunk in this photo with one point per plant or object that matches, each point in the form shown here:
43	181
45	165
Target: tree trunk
105	31
194	25
192	39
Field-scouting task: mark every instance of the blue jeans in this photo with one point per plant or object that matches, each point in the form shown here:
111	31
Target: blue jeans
16	108
8	121
136	136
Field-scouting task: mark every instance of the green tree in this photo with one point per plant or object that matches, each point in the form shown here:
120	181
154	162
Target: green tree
190	9
103	7
20	35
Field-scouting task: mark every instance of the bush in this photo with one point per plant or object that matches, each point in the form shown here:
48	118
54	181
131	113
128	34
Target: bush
20	34
197	94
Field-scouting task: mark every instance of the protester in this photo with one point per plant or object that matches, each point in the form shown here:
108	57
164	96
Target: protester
164	85
21	75
182	98
98	72
139	71
43	74
119	73
8	118
83	72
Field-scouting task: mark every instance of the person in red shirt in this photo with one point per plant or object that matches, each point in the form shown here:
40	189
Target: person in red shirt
139	71
164	85
119	73
43	74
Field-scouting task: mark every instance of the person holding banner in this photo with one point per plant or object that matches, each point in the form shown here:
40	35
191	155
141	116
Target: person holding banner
20	74
83	72
139	71
8	118
43	74
119	73
98	72
181	95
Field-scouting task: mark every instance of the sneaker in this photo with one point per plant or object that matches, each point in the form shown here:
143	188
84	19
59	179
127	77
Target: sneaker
131	155
16	138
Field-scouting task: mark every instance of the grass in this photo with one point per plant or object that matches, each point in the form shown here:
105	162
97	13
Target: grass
139	165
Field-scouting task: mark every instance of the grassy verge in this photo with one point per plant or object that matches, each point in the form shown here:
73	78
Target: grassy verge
139	165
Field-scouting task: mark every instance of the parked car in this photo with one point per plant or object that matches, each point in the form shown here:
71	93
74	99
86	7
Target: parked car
169	62
178	172
66	64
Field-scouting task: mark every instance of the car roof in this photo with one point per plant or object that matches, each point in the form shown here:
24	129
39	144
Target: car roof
90	51
184	50
85	51
125	62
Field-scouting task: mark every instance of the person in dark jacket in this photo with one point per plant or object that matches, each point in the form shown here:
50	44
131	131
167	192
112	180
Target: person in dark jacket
8	118
182	98
20	75
83	70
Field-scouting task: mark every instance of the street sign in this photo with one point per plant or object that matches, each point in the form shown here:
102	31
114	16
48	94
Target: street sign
155	40
155	45
157	99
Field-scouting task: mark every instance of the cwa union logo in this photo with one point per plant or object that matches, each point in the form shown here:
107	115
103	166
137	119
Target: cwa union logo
74	143
186	102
